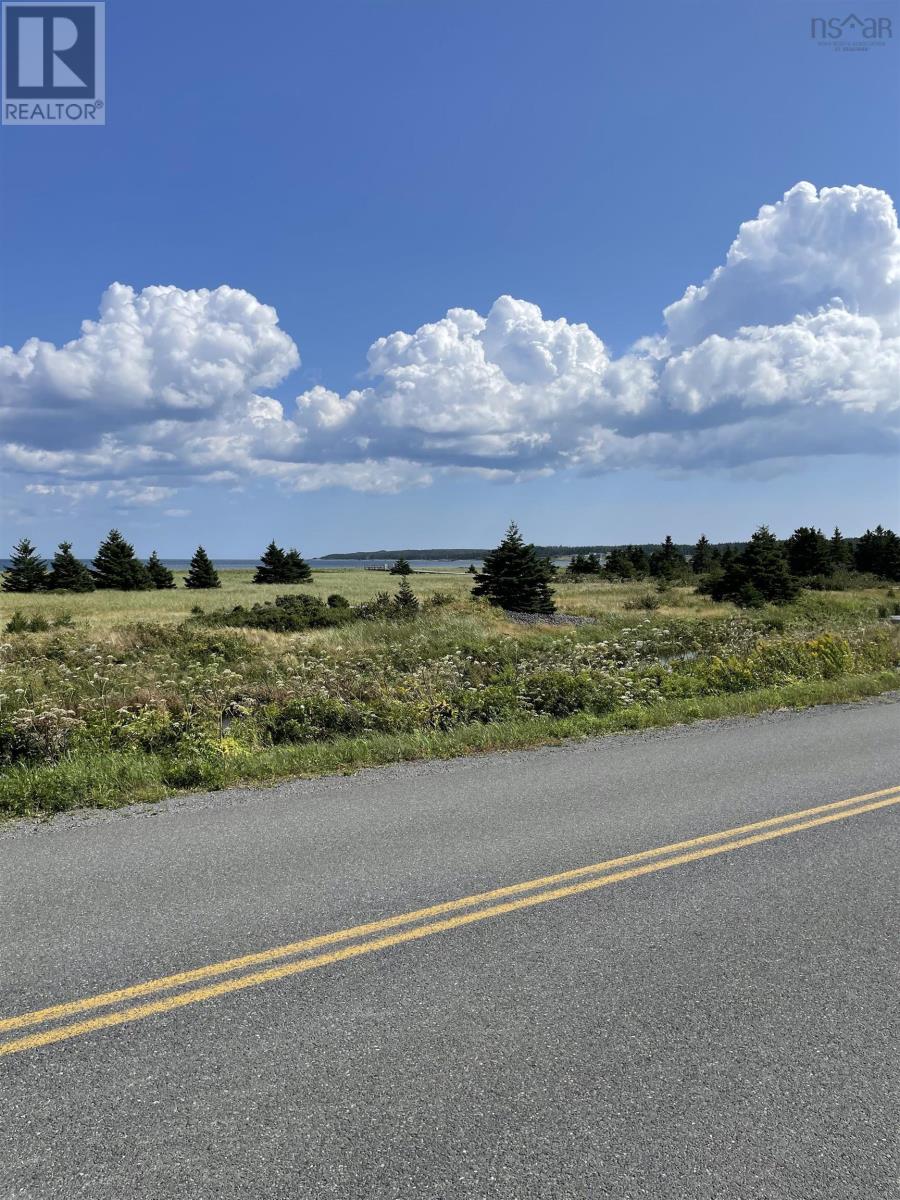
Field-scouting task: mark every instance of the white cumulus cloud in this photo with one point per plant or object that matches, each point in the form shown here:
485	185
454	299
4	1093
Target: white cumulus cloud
790	348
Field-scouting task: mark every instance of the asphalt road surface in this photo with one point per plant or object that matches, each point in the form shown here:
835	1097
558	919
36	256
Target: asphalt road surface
715	1016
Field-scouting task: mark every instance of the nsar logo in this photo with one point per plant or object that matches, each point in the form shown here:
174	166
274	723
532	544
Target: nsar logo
54	64
851	32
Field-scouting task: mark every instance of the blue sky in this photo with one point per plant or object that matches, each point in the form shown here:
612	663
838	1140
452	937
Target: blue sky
366	167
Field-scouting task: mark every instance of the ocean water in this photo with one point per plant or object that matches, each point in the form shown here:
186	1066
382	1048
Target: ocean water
333	564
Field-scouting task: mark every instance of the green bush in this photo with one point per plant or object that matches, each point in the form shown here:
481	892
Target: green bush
560	693
33	737
286	614
148	729
19	623
495	702
647	602
310	719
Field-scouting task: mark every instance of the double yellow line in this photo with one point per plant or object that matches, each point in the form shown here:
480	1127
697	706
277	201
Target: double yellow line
297	957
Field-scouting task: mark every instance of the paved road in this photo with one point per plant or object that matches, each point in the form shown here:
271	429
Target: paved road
725	1027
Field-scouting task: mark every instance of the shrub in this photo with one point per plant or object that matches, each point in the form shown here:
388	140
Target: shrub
19	623
379	608
32	737
149	728
559	693
310	719
286	614
495	702
336	600
648	602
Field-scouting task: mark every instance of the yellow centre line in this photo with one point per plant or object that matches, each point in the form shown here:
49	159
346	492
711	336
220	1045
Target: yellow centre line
660	858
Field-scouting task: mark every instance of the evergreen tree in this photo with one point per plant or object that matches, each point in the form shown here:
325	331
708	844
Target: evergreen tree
117	566
514	578
619	564
584	564
704	557
637	556
296	568
160	576
759	574
667	562
808	552
272	566
406	603
877	552
201	573
67	573
401	567
839	550
27	571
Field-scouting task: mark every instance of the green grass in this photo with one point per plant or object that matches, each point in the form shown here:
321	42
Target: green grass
105	609
110	780
135	701
108	609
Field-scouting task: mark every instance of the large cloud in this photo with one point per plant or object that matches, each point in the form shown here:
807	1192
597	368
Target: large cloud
163	353
790	348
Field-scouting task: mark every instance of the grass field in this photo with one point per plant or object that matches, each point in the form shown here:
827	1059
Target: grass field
133	698
105	609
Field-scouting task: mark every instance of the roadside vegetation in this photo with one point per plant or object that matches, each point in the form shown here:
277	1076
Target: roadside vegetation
109	696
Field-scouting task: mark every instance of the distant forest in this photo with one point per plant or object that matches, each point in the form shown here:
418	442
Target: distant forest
543	551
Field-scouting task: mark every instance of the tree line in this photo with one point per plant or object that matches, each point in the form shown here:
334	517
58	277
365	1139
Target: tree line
517	577
116	566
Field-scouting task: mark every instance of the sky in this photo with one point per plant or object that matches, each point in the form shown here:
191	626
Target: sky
362	274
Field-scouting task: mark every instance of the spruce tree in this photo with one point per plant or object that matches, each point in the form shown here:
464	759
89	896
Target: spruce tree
667	562
401	567
406	603
27	571
637	556
583	564
704	557
839	550
619	564
296	569
808	552
272	565
759	574
201	573
67	573
160	576
877	552
117	566
514	578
